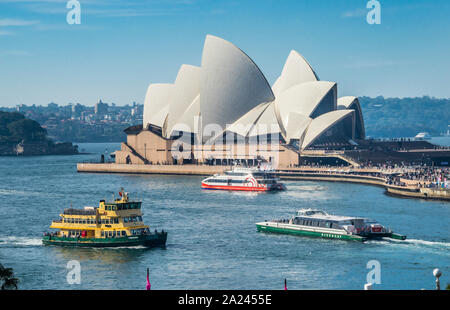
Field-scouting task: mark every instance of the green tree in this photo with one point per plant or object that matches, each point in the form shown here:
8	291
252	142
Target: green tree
5	119
27	129
7	278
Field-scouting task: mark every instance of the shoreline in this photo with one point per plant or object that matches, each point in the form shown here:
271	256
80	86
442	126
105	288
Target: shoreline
306	174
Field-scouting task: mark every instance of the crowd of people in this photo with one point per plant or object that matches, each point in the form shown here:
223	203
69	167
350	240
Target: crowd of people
429	176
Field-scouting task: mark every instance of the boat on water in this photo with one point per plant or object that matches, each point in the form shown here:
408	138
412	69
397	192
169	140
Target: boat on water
422	136
317	223
245	179
111	224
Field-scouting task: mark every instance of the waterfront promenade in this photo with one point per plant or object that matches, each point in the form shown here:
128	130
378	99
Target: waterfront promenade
403	181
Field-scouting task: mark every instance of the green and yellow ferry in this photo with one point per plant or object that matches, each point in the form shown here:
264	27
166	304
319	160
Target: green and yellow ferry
317	223
111	224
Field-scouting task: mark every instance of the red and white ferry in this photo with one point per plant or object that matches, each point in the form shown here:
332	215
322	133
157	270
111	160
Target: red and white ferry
244	179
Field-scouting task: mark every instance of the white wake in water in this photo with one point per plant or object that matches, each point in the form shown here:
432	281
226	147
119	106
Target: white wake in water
423	242
20	241
412	242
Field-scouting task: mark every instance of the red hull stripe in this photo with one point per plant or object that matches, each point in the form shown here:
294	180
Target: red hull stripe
235	188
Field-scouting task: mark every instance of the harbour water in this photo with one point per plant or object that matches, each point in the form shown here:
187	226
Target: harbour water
212	241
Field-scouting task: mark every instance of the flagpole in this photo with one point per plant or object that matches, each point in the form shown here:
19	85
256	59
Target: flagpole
149	286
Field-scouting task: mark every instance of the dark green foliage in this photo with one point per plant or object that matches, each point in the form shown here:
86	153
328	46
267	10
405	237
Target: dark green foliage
405	117
14	127
7	279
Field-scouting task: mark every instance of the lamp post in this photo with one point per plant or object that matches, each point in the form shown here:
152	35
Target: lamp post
437	273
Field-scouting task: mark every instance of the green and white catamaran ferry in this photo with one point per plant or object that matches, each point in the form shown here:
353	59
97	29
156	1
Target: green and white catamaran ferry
317	223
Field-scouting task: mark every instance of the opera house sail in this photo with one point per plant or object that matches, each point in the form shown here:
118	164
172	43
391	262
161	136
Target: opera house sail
226	110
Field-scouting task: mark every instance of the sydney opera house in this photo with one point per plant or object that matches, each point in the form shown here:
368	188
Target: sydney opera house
225	111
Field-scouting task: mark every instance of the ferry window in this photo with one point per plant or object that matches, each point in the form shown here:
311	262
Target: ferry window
123	233
116	221
84	221
103	221
119	207
125	219
103	233
140	218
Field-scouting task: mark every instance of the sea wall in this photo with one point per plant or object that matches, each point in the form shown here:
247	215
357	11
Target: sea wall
151	169
424	193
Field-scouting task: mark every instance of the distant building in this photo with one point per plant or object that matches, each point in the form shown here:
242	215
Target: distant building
101	108
77	109
53	107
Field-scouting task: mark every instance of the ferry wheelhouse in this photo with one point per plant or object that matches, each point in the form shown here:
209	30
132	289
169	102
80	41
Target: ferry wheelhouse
111	224
244	179
317	223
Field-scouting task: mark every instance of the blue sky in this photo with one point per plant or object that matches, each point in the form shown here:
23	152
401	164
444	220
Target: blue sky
121	47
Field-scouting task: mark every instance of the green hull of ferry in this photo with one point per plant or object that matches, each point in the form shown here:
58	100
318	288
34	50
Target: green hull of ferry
327	235
306	233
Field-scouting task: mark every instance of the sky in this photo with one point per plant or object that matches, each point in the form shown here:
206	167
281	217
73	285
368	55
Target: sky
121	47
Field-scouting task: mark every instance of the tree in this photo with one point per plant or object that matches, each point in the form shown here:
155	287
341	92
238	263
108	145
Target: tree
5	119
7	278
27	129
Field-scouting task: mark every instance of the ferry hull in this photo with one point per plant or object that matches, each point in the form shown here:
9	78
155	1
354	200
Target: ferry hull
152	240
328	235
306	233
243	188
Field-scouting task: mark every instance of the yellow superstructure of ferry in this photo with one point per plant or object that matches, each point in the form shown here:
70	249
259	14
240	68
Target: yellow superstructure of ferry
111	224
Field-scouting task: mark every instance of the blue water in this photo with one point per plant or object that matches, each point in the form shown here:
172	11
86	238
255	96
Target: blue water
212	241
